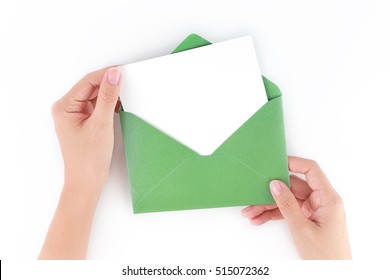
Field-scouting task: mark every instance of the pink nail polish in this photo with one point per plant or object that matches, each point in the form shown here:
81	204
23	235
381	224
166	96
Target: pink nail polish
276	188
113	76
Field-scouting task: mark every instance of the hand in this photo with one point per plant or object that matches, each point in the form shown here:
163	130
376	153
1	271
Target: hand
85	128
312	209
84	125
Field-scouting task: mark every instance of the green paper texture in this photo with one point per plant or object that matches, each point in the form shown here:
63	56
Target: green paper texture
165	175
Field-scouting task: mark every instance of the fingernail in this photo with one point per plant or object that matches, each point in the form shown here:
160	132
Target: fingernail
276	188
113	76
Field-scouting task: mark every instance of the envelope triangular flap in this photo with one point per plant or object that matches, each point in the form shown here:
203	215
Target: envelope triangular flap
166	175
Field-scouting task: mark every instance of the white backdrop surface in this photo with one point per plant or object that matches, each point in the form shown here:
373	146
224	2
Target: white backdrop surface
331	60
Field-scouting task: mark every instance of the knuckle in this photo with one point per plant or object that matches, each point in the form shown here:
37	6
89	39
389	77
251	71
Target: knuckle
338	201
109	95
88	76
55	108
287	203
335	201
339	207
313	163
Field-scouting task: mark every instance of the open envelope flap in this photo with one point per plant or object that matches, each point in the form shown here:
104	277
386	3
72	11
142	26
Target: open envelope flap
166	175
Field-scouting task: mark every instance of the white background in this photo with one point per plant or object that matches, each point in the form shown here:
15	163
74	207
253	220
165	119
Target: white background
331	60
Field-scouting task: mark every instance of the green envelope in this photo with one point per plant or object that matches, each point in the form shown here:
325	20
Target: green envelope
166	175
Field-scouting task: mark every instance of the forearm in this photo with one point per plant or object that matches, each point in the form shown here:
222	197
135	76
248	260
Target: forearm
68	235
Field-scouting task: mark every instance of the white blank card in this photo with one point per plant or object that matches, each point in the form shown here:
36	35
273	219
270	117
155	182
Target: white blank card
198	97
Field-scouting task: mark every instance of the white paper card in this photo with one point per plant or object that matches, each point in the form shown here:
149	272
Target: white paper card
198	97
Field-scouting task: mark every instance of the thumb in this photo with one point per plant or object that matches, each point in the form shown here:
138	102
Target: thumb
288	206
108	93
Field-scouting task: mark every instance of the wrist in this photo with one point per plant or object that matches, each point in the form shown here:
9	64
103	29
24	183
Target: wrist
83	188
87	177
80	195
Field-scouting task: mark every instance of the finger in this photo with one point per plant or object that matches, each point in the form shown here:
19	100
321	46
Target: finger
87	87
307	210
315	177
288	206
108	94
266	216
299	187
255	210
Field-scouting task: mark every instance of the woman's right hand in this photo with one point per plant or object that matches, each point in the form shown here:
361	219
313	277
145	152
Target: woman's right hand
312	209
